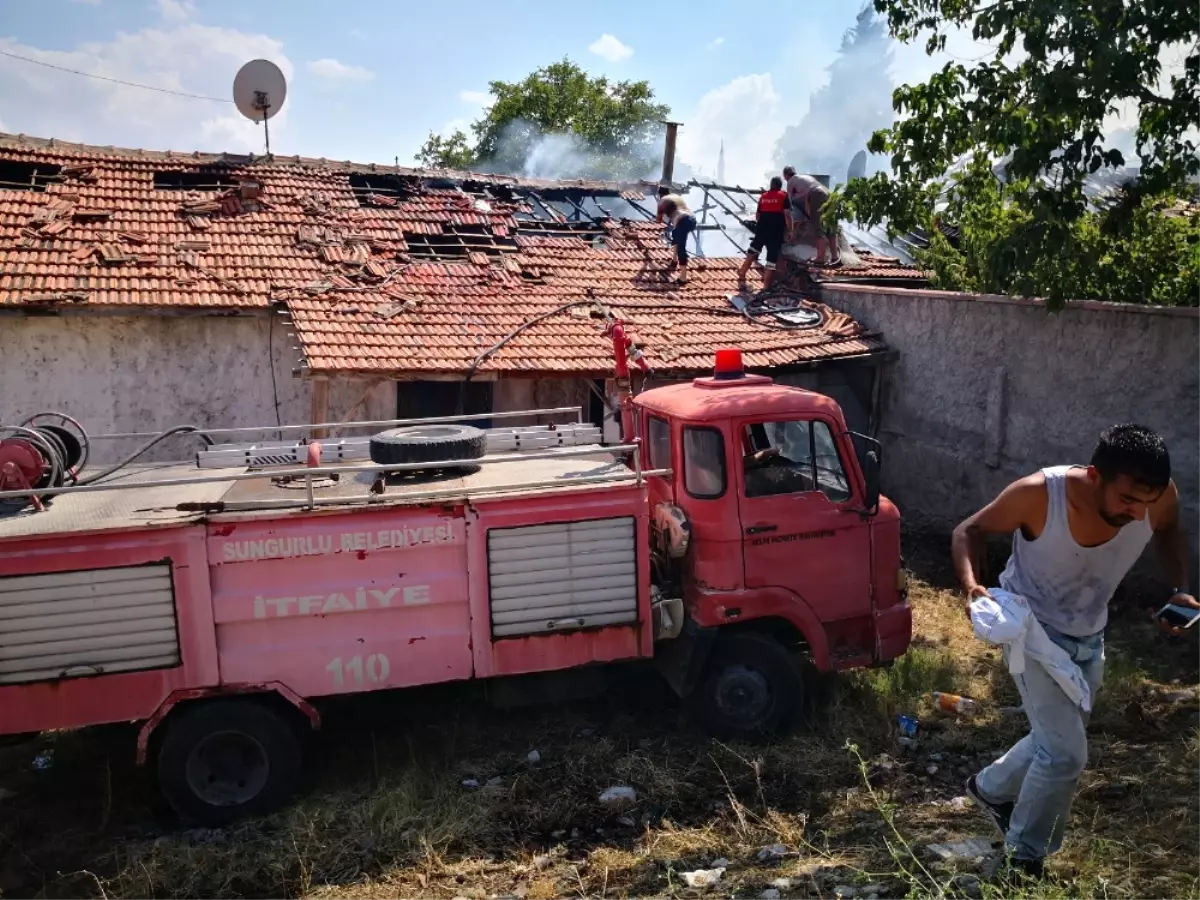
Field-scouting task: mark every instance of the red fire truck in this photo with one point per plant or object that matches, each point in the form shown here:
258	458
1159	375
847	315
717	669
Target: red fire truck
733	533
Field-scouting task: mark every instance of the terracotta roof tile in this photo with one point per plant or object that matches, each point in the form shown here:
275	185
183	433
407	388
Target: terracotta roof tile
354	272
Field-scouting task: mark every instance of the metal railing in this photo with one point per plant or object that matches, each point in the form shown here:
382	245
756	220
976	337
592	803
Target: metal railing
423	496
378	423
637	476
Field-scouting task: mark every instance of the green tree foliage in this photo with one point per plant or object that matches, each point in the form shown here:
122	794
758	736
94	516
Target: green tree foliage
453	152
1023	130
844	113
611	129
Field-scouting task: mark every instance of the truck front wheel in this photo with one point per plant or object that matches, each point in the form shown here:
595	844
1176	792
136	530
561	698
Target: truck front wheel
751	688
227	759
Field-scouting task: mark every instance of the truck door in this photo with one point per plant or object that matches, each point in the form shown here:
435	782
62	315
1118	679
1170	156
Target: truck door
800	522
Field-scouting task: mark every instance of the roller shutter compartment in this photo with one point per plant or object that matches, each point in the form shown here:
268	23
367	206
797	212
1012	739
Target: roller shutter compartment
547	579
88	622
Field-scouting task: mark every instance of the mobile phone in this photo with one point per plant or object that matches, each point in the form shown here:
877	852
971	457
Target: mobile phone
1179	616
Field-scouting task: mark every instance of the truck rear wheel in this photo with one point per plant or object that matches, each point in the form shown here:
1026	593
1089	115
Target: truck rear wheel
227	759
751	688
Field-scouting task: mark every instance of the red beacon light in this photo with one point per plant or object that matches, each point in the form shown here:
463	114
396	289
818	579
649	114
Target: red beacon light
728	372
728	364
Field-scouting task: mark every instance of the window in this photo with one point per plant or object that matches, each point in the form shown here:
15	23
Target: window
25	176
210	179
703	462
793	458
659	444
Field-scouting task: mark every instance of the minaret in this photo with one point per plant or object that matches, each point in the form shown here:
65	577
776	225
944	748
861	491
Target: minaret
721	164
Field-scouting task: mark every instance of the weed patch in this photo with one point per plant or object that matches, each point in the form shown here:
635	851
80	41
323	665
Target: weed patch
432	794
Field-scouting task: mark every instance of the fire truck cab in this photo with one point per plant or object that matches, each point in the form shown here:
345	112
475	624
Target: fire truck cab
790	544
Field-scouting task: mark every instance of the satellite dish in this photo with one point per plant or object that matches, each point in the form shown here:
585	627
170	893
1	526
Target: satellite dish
259	90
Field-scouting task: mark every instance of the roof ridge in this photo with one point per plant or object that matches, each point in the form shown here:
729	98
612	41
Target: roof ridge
10	141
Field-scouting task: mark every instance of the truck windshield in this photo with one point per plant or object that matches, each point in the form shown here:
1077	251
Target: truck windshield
792	458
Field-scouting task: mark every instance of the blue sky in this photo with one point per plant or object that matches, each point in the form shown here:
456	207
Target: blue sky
369	79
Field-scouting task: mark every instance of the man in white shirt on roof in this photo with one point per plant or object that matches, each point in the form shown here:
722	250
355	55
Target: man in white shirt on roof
807	196
674	209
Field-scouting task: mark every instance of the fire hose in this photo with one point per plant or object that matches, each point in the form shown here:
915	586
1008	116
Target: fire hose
49	450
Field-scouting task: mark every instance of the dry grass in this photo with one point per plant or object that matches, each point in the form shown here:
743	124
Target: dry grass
385	813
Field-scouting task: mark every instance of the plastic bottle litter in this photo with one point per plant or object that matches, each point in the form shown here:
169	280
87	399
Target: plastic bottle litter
909	726
619	795
953	702
703	878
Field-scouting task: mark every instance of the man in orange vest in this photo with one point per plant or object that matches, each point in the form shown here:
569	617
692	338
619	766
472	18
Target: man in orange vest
773	220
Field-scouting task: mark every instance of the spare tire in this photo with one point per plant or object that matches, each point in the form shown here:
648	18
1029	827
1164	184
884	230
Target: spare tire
428	443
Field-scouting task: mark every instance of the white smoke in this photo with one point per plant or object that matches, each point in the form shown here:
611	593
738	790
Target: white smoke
557	156
525	149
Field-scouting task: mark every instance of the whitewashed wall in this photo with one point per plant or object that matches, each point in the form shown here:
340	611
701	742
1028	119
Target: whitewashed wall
118	373
984	390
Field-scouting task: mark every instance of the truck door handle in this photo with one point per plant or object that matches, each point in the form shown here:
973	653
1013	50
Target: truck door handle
761	529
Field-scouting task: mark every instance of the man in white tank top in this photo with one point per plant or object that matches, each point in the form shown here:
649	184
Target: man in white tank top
1076	532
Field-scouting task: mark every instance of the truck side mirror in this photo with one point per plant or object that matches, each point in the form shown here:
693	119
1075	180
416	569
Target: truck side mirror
871	473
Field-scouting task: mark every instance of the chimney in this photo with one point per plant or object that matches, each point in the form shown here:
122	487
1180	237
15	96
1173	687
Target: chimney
668	169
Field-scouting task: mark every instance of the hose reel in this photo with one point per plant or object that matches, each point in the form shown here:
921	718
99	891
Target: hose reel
46	451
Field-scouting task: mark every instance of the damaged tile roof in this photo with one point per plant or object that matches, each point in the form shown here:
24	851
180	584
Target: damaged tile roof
386	270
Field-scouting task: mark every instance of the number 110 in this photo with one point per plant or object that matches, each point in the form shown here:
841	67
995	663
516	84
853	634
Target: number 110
352	670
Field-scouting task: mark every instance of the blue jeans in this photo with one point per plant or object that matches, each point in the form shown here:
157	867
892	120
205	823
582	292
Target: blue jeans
1040	773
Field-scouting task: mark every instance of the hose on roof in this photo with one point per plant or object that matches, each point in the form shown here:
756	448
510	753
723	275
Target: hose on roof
170	432
746	316
524	326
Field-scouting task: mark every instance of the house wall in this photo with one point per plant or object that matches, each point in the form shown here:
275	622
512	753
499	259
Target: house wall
850	386
145	373
513	394
987	389
148	373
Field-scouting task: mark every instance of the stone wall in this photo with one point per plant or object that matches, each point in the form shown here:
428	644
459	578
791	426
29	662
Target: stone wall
986	389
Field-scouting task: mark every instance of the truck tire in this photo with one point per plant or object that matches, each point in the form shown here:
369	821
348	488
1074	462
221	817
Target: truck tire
227	759
428	443
751	688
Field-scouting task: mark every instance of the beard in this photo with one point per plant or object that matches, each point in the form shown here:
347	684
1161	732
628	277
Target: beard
1116	521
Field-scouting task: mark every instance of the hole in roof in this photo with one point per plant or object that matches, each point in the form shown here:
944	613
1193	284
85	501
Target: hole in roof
205	179
585	230
401	187
456	244
576	210
577	194
440	184
26	176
